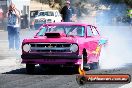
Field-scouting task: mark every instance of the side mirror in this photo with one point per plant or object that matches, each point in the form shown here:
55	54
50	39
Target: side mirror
102	41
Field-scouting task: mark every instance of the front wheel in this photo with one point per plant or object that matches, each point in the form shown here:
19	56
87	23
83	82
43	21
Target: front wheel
30	68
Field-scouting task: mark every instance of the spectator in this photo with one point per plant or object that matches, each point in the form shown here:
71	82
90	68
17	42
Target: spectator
13	25
67	12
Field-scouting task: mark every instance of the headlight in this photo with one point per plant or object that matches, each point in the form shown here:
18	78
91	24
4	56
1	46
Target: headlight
26	47
74	48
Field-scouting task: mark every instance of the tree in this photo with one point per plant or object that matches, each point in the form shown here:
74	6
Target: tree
128	2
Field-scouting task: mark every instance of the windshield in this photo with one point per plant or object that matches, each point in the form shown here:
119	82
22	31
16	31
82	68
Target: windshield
46	13
68	30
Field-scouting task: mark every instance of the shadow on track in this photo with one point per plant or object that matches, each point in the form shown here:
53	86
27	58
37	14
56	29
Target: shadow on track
51	71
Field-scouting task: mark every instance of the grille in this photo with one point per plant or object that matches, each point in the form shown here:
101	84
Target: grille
50	47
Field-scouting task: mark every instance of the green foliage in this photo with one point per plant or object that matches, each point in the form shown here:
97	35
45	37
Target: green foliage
42	1
128	2
111	1
48	1
61	2
116	1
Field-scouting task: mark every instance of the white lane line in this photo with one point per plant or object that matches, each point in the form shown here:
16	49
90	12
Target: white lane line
7	65
127	85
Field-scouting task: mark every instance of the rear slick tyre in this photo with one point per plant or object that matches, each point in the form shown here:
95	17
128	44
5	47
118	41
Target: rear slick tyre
85	64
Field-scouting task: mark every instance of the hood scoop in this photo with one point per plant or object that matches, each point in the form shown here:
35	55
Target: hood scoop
53	35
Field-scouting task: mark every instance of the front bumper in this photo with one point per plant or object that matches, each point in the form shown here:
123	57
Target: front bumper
51	58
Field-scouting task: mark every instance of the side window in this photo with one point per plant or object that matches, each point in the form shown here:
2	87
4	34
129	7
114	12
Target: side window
80	31
89	31
94	31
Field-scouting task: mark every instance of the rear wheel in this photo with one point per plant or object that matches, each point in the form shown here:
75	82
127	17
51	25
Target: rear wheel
30	68
86	65
94	65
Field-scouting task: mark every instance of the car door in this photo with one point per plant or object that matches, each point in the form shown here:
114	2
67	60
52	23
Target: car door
92	38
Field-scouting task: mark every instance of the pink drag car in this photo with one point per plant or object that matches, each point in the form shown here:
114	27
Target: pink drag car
63	44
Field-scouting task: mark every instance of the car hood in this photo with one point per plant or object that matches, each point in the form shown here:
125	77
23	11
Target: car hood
51	40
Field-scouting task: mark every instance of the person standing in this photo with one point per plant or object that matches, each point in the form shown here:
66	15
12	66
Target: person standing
13	27
66	12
